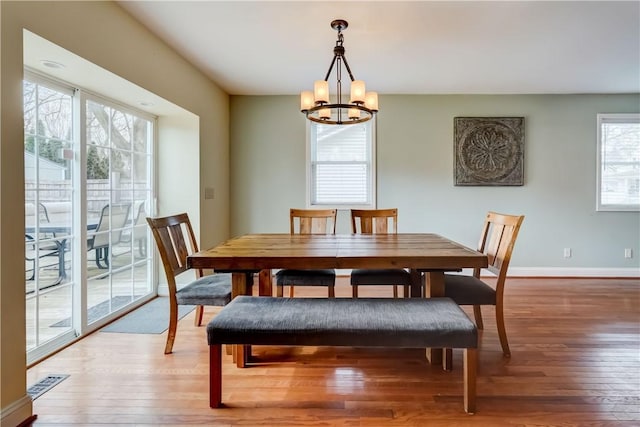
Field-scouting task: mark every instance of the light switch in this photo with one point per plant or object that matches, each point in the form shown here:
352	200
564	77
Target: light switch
209	193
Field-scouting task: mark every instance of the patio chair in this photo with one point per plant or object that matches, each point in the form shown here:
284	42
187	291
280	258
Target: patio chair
138	234
42	250
108	233
171	235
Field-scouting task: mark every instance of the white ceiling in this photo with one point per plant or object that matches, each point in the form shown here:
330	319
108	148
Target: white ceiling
415	47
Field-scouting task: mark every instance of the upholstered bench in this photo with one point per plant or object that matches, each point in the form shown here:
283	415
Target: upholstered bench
361	322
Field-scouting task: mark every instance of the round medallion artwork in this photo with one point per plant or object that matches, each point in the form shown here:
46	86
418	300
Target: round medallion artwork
489	151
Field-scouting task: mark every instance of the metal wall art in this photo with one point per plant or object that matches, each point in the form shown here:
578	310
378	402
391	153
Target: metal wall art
489	151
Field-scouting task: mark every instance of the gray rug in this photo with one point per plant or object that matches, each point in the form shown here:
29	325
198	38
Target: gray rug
100	310
151	318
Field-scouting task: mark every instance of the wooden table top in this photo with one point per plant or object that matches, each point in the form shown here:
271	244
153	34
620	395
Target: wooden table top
275	251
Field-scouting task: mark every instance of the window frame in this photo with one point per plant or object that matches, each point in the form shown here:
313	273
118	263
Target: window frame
602	119
372	185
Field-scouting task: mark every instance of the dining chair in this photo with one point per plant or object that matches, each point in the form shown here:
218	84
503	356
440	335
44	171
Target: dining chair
171	234
497	240
108	233
309	221
377	221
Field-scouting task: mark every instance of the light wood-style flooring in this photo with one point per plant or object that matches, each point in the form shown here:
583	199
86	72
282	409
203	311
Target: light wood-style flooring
575	362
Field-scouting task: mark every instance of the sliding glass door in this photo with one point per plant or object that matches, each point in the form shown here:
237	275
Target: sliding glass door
49	196
118	189
88	191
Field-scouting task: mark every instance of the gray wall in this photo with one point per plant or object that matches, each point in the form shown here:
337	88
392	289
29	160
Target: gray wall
415	174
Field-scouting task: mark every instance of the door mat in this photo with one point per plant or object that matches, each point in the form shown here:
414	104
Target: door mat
151	318
45	384
99	310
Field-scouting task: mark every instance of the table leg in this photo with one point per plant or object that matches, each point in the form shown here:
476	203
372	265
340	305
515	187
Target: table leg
265	283
241	284
238	284
434	288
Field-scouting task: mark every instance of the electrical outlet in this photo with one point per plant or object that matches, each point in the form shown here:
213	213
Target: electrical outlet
628	253
567	252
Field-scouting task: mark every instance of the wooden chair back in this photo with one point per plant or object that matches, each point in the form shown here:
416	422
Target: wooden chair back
313	221
175	240
497	240
374	221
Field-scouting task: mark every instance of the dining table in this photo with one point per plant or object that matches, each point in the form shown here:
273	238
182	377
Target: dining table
425	254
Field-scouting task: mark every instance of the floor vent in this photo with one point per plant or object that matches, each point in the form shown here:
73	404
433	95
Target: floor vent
45	384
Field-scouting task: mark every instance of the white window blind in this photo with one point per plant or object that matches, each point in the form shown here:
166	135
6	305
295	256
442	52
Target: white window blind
341	169
618	162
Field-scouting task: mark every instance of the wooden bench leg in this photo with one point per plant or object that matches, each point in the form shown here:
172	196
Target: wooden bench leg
470	365
242	351
215	376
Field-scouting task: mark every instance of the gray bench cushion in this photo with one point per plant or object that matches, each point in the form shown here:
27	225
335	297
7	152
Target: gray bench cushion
361	322
214	289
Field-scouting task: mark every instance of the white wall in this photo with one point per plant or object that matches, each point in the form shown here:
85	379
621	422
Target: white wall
415	174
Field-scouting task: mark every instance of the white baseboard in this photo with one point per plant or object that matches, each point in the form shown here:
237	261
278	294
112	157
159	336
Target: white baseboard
554	272
16	412
573	272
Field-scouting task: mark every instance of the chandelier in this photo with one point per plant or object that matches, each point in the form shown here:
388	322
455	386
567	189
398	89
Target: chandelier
316	105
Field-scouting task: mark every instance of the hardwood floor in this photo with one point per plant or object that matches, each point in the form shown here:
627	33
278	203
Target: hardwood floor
575	361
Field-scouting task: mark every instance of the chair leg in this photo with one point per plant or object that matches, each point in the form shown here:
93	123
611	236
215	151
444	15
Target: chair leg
447	359
173	326
407	291
354	291
502	332
98	255
279	291
198	318
291	291
477	313
102	253
332	292
395	291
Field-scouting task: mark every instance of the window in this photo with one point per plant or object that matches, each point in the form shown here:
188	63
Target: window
341	166
618	174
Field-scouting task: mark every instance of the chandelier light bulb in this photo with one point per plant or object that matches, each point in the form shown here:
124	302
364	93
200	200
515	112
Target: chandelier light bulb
371	101
306	100
357	92
324	113
321	92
